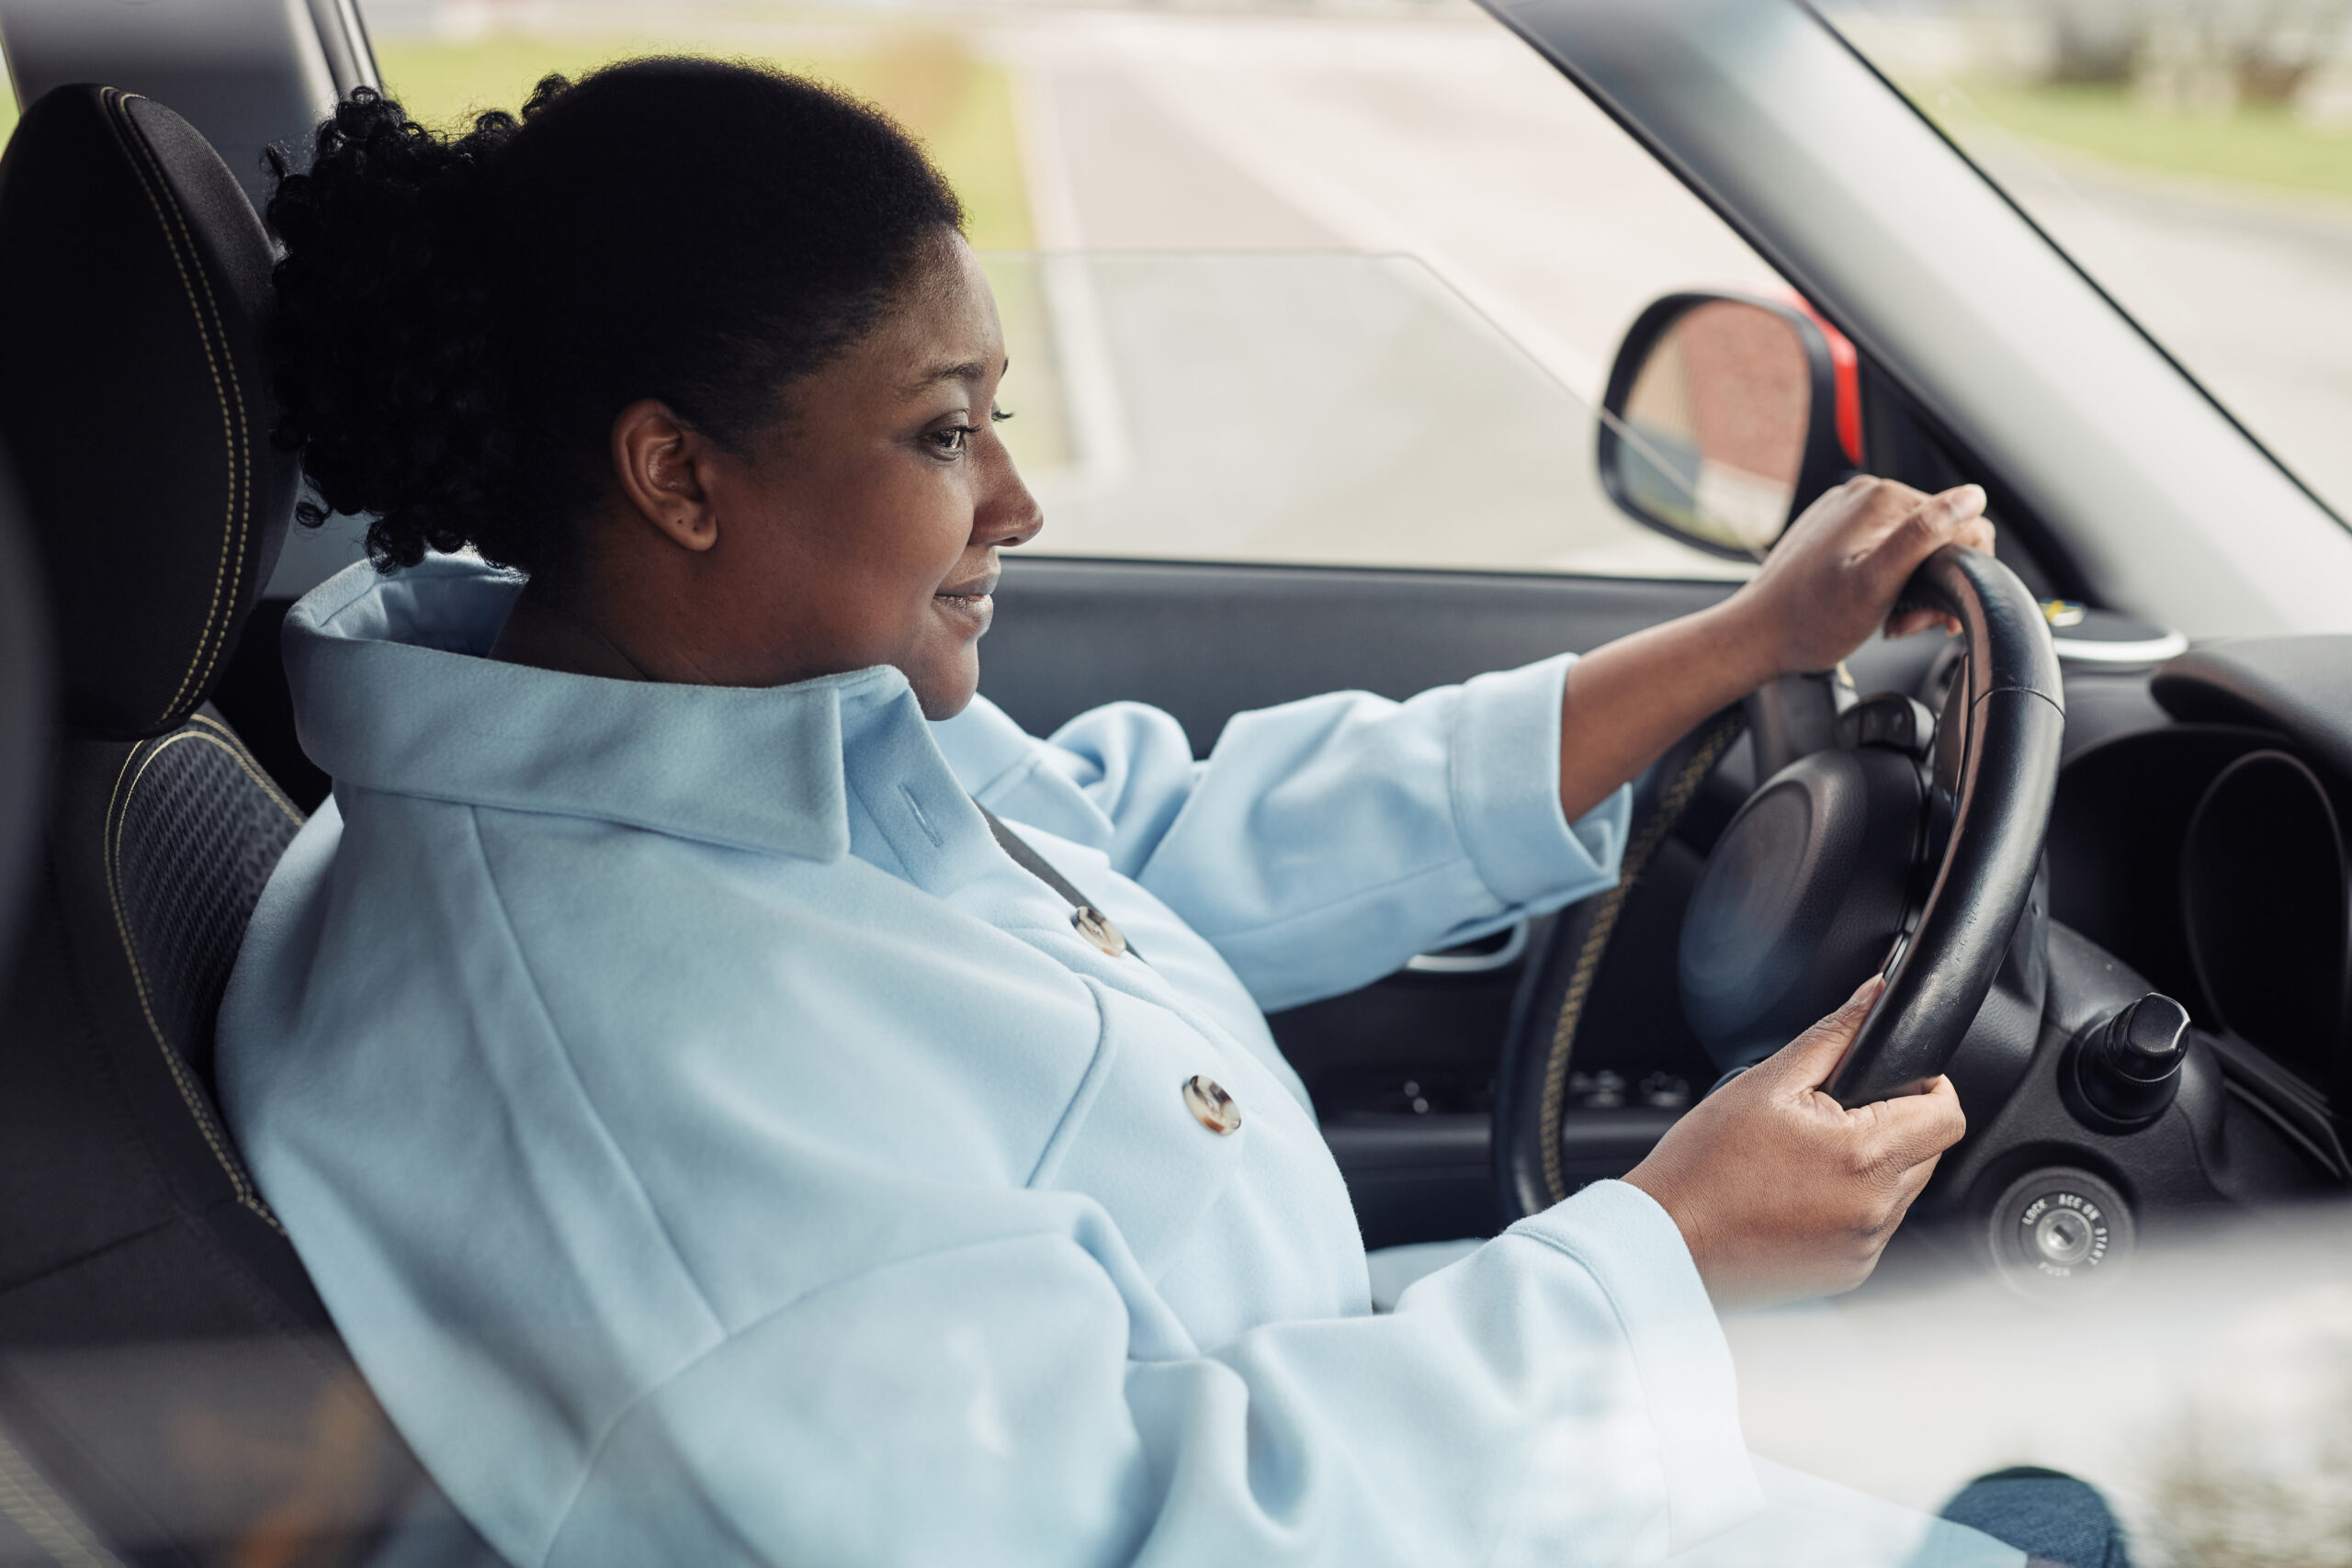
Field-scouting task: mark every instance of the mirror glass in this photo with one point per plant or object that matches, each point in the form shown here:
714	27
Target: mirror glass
1714	432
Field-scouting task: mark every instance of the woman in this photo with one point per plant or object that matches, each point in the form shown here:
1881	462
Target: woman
718	1140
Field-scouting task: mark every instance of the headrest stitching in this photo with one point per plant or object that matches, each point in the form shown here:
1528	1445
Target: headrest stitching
238	438
148	169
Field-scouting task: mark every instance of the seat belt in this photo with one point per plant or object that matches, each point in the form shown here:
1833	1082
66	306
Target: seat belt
1090	922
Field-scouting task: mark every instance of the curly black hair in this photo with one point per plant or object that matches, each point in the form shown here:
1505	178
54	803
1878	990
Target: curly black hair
461	318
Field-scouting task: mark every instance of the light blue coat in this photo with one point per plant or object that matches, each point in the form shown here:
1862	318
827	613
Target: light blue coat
715	1150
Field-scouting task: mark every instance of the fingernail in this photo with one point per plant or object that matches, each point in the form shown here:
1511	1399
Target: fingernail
1966	499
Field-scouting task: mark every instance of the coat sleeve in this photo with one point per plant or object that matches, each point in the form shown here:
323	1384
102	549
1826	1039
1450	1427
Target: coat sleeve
1562	1396
1322	843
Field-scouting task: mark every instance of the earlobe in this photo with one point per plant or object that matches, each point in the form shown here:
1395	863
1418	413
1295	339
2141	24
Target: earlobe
657	462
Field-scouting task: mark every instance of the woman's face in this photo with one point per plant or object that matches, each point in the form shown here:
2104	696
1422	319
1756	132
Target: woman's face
863	528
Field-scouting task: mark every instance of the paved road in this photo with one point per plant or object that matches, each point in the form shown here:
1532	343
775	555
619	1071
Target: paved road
1448	141
1369	415
2252	292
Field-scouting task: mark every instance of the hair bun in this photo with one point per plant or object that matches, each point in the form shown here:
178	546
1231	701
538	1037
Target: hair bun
386	365
460	319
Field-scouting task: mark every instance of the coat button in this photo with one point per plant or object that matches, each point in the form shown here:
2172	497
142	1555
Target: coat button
1096	926
1206	1099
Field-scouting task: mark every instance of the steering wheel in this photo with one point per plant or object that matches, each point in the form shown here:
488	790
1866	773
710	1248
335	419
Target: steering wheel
2006	721
1882	851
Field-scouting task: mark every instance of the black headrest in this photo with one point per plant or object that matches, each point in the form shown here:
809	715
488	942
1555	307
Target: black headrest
134	396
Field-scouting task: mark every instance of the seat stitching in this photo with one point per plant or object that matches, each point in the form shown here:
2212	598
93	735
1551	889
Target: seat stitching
236	748
141	160
118	812
46	1518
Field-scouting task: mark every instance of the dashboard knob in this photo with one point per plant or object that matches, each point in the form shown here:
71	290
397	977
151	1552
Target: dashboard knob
2127	1072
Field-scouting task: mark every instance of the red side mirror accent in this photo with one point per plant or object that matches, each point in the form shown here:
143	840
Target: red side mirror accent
1847	366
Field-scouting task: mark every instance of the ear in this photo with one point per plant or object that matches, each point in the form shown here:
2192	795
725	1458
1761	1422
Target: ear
657	462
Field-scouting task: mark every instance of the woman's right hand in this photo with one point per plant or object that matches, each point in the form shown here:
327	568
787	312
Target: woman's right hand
1780	1192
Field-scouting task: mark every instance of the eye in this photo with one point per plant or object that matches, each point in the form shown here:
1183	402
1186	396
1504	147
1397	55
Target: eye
949	442
998	416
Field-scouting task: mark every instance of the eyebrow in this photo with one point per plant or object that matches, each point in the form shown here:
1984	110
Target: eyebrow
967	371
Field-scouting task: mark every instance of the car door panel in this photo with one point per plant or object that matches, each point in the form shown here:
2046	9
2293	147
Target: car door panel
1205	641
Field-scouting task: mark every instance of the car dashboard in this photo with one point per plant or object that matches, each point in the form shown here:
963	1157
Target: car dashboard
2198	836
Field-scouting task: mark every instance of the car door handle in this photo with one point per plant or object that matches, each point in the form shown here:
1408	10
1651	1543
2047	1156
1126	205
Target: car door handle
1473	958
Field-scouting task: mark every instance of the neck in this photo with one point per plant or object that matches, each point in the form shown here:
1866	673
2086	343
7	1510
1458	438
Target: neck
552	631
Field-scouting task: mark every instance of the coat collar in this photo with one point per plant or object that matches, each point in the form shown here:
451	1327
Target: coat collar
393	692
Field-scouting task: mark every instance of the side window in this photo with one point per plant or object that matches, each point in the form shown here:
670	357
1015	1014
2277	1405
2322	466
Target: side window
1338	286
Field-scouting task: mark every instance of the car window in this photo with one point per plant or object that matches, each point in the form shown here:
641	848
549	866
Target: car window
1338	286
2193	161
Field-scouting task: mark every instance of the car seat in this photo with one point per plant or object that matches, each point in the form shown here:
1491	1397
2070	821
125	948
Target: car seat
171	1388
24	708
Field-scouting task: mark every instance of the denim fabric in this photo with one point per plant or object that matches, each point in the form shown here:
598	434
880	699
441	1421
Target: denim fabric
2047	1516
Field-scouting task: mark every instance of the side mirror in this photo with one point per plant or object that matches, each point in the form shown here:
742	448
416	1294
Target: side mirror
1726	415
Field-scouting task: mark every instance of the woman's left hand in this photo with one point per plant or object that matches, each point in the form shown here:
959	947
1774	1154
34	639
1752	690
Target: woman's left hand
1833	577
1830	582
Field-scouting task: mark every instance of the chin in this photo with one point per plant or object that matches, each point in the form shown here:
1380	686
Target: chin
944	693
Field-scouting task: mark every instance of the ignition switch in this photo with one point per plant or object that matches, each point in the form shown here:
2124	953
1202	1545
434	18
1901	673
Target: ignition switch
2123	1074
2060	1231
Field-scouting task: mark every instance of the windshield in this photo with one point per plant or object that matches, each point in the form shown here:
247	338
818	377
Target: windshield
2194	158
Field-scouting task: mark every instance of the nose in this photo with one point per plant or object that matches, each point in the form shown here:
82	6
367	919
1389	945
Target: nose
1007	514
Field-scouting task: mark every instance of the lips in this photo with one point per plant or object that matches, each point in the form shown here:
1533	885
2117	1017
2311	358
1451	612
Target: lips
978	586
968	601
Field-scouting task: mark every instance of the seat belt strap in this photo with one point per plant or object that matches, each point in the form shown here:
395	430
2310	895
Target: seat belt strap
1092	923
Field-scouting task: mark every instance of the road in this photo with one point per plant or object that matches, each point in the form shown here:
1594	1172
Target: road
1281	396
1446	141
2251	291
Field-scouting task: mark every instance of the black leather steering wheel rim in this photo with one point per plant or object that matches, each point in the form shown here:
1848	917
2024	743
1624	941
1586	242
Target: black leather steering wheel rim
2002	766
2013	720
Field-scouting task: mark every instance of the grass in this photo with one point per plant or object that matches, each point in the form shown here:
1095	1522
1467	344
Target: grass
2258	144
958	106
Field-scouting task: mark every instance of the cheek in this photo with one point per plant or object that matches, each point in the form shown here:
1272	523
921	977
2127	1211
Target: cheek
913	532
886	550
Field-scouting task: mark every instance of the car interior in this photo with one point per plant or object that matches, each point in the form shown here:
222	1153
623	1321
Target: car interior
2111	874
